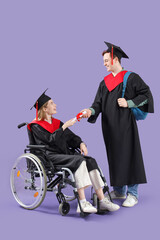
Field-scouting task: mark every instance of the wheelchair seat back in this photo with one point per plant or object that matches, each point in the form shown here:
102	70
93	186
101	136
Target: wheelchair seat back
31	138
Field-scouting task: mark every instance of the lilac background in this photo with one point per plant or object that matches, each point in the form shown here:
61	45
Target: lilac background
58	44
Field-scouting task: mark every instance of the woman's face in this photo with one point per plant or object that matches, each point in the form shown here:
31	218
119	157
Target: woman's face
51	108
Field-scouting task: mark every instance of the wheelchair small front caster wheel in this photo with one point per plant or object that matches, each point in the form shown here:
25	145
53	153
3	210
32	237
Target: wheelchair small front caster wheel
64	208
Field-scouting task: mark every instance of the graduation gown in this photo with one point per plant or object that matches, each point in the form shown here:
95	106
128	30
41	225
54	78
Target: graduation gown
60	145
119	127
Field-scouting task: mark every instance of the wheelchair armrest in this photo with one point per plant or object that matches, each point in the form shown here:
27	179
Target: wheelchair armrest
36	146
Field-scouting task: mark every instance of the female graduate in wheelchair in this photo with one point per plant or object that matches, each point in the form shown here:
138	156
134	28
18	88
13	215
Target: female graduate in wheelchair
60	142
60	149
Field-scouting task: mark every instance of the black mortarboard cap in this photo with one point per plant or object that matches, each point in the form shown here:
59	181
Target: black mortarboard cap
40	101
116	50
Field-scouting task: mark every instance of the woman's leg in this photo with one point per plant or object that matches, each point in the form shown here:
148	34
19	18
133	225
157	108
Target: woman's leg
82	180
104	203
100	193
97	183
81	193
85	179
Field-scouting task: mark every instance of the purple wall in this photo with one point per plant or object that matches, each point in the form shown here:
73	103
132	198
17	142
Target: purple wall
58	44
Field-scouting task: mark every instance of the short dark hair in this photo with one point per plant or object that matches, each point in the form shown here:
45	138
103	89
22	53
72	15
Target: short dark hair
105	51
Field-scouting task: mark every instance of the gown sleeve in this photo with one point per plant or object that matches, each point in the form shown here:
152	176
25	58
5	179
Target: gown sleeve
97	105
140	93
43	136
72	139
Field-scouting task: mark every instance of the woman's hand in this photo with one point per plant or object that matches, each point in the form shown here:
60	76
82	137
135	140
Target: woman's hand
87	114
122	102
83	149
69	123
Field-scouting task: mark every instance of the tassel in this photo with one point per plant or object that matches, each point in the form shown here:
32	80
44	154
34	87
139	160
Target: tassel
112	56
37	110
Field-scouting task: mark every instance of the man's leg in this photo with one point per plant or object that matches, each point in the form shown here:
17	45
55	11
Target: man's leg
133	190
120	190
132	196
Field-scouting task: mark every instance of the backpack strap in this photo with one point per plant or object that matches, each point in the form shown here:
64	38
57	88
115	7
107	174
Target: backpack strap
125	78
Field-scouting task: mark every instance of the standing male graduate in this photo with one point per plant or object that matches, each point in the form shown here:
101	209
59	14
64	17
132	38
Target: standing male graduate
119	124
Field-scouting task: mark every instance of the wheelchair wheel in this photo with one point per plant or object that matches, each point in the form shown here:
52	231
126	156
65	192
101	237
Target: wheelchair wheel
64	208
28	181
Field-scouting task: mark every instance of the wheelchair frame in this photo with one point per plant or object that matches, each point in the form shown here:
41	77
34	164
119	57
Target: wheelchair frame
37	169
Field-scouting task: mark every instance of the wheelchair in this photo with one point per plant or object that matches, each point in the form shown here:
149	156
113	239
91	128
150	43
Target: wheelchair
32	176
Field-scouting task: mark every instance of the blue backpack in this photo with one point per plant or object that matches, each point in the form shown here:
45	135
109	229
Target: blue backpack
139	114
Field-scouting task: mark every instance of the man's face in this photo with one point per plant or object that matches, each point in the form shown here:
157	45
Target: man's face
107	61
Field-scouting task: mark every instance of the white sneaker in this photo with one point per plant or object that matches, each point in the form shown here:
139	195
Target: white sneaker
130	201
116	195
87	207
108	205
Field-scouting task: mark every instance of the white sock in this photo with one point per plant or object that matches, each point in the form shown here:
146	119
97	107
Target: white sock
101	200
83	200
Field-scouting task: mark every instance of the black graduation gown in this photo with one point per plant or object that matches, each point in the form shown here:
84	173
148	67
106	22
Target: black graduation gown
120	130
58	145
